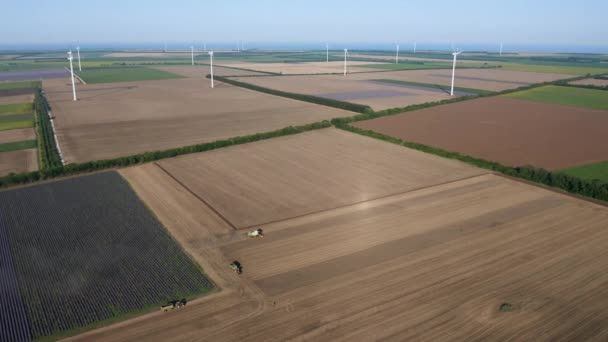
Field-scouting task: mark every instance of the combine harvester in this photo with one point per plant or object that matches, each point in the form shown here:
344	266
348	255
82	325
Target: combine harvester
256	233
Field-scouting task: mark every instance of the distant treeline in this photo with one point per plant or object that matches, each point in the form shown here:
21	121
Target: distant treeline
47	149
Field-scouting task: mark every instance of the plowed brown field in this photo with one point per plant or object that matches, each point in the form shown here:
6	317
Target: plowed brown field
18	161
113	120
201	71
509	131
432	264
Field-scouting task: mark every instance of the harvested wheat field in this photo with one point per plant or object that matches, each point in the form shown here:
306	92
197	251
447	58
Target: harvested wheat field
277	179
592	82
355	88
508	131
491	79
18	161
416	59
478	259
301	68
201	71
13	135
112	120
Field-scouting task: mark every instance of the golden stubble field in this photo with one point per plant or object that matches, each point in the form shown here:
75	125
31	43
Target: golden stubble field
433	263
120	119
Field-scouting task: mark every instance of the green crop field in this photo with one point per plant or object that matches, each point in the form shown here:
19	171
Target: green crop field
437	86
82	252
569	96
590	172
21	84
18	108
18	145
124	74
16	121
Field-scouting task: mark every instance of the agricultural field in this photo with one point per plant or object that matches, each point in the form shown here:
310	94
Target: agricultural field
123	74
474	258
592	82
113	120
201	71
356	88
333	67
17	136
568	96
332	176
82	251
35	74
591	172
506	130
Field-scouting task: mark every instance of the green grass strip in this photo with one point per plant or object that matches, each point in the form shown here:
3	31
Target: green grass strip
436	86
20	84
590	172
124	74
5	126
17	108
18	145
569	96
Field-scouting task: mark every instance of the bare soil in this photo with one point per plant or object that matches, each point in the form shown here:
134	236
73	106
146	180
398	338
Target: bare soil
592	82
112	120
14	99
18	161
332	86
432	264
14	135
509	131
273	180
201	71
334	67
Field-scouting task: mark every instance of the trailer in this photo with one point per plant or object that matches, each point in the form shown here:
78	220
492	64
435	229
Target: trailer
175	304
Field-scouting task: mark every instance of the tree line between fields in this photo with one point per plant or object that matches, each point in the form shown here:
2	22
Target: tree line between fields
51	166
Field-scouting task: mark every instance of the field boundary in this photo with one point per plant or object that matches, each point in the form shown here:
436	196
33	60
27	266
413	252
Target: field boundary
215	211
586	189
97	165
365	201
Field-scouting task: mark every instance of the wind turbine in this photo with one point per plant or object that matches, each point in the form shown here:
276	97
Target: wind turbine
327	51
79	66
345	55
397	56
71	58
414	48
204	46
500	53
455	54
211	64
192	51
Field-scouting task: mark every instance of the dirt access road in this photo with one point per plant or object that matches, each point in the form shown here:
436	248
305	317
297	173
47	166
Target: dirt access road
429	264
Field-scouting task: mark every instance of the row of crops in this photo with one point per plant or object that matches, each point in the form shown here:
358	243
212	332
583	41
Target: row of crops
86	250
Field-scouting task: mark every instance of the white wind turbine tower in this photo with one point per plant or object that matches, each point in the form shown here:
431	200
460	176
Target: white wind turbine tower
71	58
211	64
79	66
192	52
455	54
397	56
345	55
500	53
414	48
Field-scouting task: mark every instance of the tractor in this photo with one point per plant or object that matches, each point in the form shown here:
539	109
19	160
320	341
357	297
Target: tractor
256	233
236	267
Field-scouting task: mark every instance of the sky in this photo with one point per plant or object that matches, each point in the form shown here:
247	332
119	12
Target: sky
521	22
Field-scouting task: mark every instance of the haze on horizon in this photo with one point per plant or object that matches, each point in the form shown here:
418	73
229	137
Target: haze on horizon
467	22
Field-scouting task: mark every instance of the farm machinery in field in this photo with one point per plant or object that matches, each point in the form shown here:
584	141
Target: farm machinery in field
256	233
174	304
236	267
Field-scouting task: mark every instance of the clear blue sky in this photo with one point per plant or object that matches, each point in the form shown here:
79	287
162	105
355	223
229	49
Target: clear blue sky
473	21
